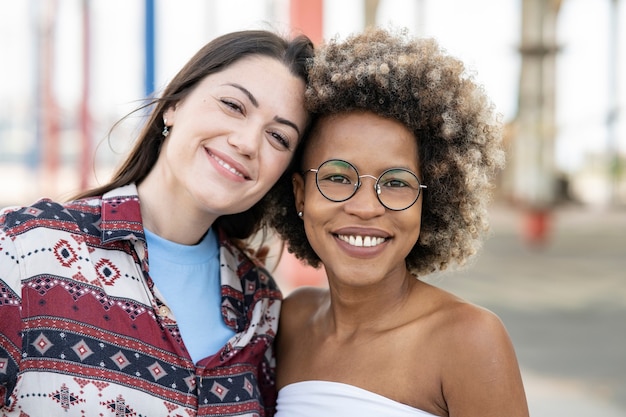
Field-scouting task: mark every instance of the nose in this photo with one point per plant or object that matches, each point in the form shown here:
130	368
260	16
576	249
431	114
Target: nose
247	141
364	203
376	184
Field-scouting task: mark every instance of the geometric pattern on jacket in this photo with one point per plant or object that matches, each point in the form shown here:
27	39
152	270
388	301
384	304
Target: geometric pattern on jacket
84	332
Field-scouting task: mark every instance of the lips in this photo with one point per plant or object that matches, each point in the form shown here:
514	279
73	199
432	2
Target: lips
362	241
227	166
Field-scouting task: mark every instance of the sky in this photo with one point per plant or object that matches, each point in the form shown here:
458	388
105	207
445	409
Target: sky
483	33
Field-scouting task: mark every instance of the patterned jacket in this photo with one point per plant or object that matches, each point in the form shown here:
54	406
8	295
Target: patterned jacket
84	333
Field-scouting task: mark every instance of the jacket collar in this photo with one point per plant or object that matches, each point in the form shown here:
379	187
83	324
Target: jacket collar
121	215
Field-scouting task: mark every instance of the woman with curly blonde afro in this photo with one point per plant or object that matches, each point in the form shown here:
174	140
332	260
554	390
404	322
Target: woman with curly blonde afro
393	185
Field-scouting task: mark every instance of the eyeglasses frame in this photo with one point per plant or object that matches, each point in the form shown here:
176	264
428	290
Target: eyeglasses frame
359	183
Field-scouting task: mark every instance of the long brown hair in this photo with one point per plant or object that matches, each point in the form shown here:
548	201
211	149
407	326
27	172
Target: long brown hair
213	57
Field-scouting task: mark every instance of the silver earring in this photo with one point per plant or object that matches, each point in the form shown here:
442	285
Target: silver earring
166	130
300	214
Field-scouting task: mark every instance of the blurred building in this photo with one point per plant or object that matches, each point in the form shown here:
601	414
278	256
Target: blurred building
73	68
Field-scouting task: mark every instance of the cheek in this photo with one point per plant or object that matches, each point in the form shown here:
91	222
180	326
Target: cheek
415	221
317	212
313	233
169	153
275	163
176	147
313	200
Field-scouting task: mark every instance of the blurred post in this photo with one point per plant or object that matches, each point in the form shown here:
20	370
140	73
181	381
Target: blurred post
306	17
49	109
420	26
371	7
613	116
149	81
85	113
532	159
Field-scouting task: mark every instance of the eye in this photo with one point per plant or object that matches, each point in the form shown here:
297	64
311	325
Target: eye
394	183
337	179
337	172
233	105
399	179
281	139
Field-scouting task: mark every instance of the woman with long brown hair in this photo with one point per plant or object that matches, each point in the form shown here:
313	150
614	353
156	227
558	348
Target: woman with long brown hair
137	298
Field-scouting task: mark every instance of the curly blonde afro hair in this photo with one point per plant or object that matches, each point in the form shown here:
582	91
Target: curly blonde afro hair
457	130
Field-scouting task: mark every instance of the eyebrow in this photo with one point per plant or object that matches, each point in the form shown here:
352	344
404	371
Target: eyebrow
288	123
247	93
255	103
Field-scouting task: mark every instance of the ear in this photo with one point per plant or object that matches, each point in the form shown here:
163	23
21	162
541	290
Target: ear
298	190
170	115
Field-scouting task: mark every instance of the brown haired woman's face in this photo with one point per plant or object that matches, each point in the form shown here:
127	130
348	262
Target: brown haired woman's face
232	137
360	241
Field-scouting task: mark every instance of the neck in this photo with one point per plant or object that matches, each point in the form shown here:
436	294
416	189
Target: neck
371	308
170	215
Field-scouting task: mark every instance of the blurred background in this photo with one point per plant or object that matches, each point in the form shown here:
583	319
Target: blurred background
554	268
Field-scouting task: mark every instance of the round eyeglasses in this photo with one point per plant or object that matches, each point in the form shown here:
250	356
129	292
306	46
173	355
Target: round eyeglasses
338	180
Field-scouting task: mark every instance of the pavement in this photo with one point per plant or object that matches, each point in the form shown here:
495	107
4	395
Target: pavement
563	302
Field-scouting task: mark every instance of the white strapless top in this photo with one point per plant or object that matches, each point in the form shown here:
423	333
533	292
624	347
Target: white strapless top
335	399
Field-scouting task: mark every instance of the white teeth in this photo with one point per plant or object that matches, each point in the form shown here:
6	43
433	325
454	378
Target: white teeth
367	241
228	167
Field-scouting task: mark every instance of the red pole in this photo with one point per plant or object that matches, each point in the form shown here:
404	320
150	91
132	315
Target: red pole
306	17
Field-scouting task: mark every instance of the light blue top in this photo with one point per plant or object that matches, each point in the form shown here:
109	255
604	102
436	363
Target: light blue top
188	277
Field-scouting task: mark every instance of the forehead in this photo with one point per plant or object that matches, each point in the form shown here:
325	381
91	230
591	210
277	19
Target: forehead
264	80
256	66
364	139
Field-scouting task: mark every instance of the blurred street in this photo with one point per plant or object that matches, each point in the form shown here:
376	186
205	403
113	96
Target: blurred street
564	305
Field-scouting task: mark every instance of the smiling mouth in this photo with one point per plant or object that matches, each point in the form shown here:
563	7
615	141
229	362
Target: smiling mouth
362	241
226	166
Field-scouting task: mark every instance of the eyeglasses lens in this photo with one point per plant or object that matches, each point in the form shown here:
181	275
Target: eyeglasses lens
397	189
337	180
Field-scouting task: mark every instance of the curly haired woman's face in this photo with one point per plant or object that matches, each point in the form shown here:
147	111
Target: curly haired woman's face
359	239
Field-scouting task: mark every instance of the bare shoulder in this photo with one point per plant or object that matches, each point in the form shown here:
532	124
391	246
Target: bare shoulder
466	330
301	304
294	339
306	295
460	321
480	374
473	324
